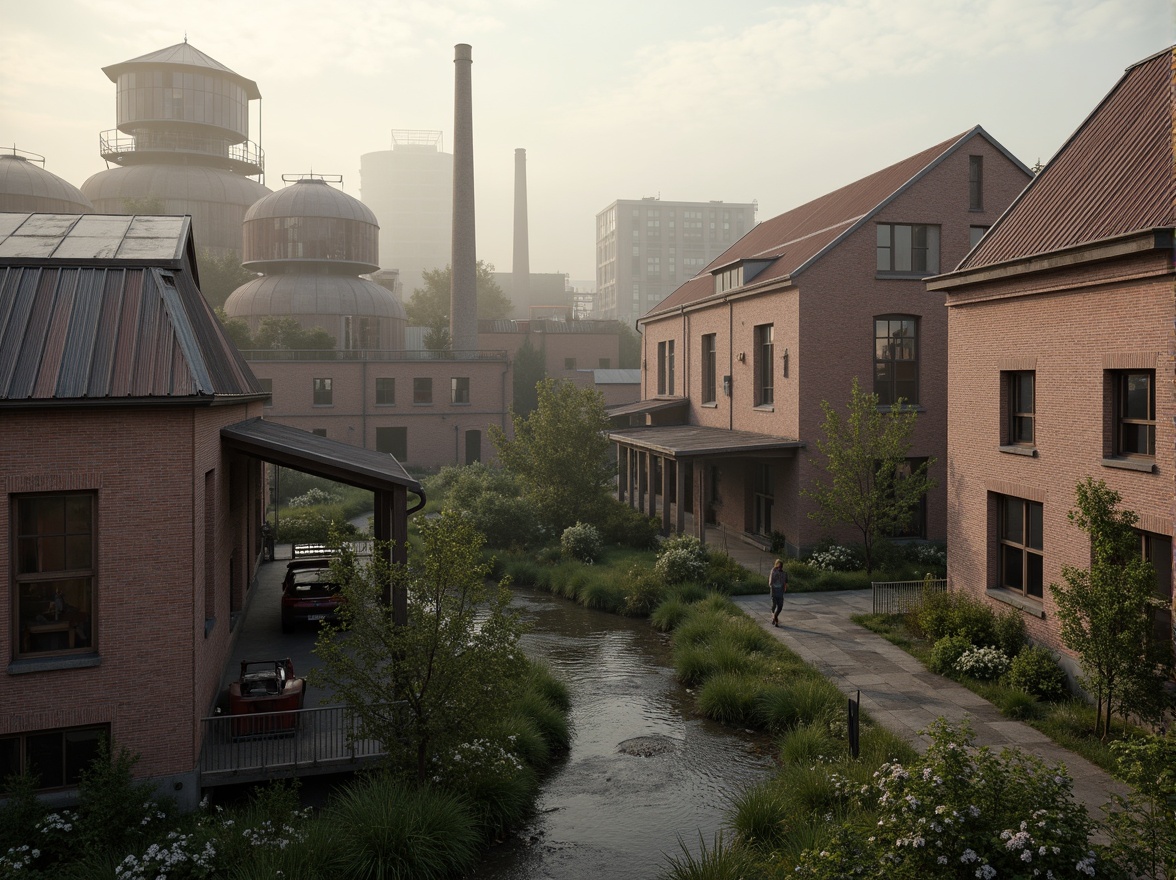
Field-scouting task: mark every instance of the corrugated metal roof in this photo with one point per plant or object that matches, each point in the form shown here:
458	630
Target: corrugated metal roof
1114	176
183	55
103	308
685	441
796	238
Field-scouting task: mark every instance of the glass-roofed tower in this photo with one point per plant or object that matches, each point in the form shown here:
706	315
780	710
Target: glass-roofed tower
182	145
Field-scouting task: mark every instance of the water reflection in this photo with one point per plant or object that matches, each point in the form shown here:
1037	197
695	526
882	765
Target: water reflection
606	814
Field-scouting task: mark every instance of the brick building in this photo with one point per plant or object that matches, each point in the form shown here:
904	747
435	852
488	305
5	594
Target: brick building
131	495
1061	358
737	361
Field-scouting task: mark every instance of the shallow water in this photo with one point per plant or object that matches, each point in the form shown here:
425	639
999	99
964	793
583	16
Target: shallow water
644	772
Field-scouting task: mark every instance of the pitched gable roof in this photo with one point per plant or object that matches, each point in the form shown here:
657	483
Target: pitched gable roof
106	309
797	238
1113	177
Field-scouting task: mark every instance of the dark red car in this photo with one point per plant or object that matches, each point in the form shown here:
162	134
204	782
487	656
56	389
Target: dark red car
309	593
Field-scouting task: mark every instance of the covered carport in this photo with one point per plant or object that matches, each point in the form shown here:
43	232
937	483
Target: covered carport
379	472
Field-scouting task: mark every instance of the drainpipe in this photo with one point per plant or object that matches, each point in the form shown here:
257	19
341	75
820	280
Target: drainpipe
731	365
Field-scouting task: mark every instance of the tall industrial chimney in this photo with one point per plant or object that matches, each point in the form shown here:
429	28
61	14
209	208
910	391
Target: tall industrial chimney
521	267
463	292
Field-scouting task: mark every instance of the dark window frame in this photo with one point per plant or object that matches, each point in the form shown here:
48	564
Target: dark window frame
56	596
422	391
710	388
1021	543
919	255
15	754
393	440
385	391
1021	414
1131	431
976	183
763	357
323	391
888	383
459	390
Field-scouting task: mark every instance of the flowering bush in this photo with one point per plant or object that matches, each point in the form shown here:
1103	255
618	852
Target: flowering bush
182	857
928	554
581	541
961	812
985	664
312	498
835	558
681	558
477	758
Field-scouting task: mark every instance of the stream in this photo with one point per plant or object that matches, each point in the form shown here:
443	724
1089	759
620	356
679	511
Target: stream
645	774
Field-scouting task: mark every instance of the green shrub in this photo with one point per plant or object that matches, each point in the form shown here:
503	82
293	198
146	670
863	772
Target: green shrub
644	591
627	527
602	595
725	575
548	718
581	542
762	815
953	613
522	572
1016	704
720	861
681	558
386	829
730	698
1036	671
21	811
688	592
946	652
669	614
1010	632
541	680
695	663
699	626
719	603
806	744
114	810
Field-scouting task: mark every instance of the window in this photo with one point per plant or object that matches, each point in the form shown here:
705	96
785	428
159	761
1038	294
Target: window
762	357
267	385
459	389
319	432
323	396
665	367
976	183
1021	557
422	391
709	371
903	248
385	392
1135	413
916	524
604	363
57	757
55	576
975	233
763	499
1021	406
393	441
569	363
896	359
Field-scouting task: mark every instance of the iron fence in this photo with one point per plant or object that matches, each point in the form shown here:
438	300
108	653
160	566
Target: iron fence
899	597
262	745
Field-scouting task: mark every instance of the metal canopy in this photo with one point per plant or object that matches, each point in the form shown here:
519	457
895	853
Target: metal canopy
691	441
312	454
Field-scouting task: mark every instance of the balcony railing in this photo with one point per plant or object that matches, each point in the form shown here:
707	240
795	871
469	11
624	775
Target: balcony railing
330	354
900	597
265	745
123	149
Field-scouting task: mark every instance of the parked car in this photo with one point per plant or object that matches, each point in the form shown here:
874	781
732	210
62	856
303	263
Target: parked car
310	593
264	699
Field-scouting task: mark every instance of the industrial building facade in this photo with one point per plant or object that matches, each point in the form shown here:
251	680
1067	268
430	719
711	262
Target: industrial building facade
646	248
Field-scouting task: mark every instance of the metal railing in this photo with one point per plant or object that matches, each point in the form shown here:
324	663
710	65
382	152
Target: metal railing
245	157
264	745
899	597
363	354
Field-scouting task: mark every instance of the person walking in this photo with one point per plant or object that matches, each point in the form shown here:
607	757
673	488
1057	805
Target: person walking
777	586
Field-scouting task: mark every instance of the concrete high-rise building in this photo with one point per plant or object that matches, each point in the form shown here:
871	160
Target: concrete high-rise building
410	188
646	249
182	145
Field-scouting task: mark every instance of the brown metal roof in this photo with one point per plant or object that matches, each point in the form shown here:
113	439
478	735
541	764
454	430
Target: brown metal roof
797	238
1114	176
686	441
640	407
301	450
182	55
106	309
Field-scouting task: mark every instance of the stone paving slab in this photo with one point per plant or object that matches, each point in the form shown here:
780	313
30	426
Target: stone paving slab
897	690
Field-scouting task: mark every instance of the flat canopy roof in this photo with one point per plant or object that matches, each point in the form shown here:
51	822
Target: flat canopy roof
312	454
641	407
687	441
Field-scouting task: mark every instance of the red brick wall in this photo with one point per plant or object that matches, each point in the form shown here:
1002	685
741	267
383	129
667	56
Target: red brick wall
158	673
1070	327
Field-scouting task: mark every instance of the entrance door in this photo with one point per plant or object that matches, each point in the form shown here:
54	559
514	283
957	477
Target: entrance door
473	447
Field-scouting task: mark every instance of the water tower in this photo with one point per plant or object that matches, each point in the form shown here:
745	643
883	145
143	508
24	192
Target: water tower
182	145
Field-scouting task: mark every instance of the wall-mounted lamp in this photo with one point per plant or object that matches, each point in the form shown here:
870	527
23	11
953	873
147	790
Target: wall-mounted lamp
785	360
726	386
741	357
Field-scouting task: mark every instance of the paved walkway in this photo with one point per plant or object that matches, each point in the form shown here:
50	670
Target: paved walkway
897	690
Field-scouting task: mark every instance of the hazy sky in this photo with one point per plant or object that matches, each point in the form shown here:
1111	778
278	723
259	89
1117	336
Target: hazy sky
686	99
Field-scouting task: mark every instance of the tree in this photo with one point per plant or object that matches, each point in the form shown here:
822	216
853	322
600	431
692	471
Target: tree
446	676
629	348
561	453
1106	610
236	329
288	334
429	305
865	458
220	276
530	368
